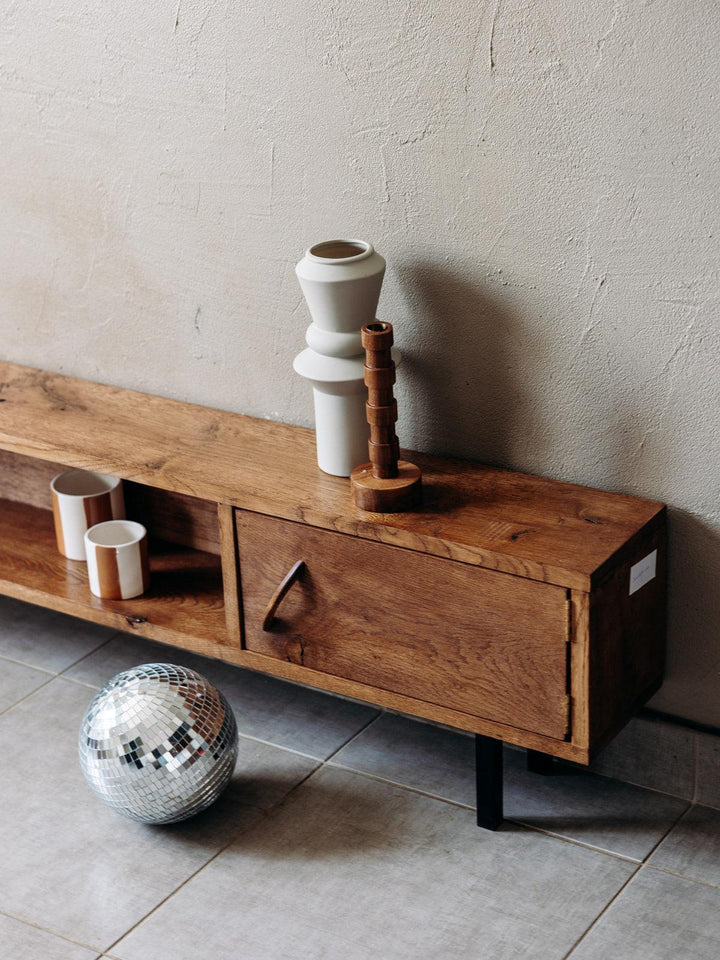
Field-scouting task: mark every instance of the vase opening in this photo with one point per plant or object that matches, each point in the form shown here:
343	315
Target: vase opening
116	533
83	483
377	327
335	250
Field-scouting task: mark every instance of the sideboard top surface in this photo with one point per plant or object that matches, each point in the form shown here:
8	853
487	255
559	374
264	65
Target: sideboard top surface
524	525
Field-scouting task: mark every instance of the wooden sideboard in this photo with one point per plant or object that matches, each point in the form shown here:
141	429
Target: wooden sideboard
518	608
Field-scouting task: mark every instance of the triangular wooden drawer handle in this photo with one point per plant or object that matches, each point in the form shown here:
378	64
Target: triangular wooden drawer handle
277	598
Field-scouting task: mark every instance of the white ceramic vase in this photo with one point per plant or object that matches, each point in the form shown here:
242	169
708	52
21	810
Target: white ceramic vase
341	281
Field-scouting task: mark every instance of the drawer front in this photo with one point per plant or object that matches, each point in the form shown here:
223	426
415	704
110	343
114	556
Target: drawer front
484	643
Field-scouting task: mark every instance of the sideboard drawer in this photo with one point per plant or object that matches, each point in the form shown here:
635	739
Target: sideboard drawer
463	637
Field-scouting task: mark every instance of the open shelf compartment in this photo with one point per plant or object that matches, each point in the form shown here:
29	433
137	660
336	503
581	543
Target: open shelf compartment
184	604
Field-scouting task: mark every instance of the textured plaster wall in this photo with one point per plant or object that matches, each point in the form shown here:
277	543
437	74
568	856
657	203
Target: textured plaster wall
542	178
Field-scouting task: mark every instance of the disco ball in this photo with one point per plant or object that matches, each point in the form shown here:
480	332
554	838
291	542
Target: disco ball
158	743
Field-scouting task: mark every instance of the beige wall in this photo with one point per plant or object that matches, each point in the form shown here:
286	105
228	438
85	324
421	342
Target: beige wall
542	178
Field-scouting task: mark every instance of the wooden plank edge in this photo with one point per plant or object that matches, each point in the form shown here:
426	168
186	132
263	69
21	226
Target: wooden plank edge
230	574
609	734
402	539
106	618
476	555
408	705
579	649
307	515
566	750
624	553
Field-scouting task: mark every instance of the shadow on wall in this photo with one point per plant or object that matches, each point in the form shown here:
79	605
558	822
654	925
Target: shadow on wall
493	385
467	375
479	374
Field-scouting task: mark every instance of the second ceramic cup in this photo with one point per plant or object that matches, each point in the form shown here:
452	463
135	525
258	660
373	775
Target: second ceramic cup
117	559
80	500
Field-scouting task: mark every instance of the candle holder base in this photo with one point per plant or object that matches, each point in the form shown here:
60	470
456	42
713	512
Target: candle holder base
387	494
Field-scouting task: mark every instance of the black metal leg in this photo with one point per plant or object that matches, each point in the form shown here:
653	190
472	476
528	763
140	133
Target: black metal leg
489	781
541	763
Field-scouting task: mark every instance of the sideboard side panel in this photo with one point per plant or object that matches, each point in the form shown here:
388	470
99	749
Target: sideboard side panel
627	632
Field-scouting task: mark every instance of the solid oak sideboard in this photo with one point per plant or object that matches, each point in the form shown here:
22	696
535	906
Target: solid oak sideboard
515	607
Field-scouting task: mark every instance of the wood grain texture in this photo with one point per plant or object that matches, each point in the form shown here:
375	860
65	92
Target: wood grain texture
387	494
27	479
286	584
471	640
626	648
411	640
174	517
383	698
185	596
529	526
383	446
412	706
580	668
230	574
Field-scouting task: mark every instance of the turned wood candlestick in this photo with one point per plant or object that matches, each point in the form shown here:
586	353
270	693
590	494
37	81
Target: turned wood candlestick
386	484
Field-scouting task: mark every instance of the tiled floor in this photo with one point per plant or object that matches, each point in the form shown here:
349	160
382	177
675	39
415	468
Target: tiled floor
345	833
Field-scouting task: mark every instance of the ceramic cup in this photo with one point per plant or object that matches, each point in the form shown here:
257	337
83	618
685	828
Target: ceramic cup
80	500
117	559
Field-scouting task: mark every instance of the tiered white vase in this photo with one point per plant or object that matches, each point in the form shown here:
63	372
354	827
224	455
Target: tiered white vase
341	281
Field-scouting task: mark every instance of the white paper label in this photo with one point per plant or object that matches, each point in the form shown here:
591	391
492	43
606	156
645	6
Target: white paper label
643	571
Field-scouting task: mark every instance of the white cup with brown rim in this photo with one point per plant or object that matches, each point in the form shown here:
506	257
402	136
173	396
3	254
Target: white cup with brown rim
117	559
81	499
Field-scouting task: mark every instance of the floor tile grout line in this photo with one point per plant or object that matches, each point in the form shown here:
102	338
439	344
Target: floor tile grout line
625	858
352	737
280	746
633	783
177	889
598	918
69	666
669	830
641	866
90	653
60	675
688	806
395	783
27	696
24	663
400	786
382	712
610	853
184	883
51	675
329	761
682	876
54	933
630	878
584	770
635	873
288	796
262	814
79	683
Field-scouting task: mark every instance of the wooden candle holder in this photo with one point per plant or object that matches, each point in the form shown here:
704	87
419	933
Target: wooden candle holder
386	484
